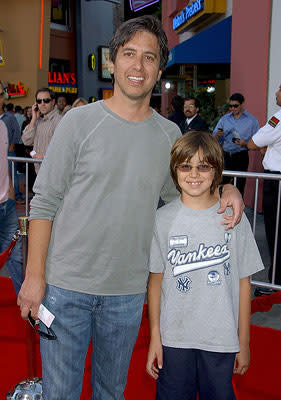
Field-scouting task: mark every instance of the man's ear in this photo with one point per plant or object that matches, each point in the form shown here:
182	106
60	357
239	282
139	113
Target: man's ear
111	67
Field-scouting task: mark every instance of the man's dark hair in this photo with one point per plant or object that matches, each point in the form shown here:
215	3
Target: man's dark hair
18	109
237	97
64	95
10	107
128	29
177	103
196	101
51	93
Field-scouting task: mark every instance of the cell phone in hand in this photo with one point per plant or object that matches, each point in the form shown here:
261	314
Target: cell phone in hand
36	108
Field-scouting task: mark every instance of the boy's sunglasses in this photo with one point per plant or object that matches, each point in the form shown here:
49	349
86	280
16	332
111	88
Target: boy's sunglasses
46	101
234	105
50	334
200	168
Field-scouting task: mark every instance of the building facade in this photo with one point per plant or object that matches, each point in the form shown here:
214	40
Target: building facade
61	44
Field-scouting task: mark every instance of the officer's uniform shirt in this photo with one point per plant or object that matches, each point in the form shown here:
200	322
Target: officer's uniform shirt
270	135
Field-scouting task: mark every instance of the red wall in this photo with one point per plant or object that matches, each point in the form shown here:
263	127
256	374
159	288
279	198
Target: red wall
170	8
249	53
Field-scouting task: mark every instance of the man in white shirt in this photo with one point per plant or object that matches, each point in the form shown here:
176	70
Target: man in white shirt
269	137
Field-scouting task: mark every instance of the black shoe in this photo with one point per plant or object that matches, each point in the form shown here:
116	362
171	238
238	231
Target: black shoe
260	291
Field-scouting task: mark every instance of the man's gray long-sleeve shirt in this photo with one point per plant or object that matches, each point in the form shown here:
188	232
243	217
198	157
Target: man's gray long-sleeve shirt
100	183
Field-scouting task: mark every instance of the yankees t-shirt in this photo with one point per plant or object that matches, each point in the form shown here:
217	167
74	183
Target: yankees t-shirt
202	266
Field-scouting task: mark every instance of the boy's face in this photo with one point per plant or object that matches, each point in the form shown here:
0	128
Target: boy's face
195	183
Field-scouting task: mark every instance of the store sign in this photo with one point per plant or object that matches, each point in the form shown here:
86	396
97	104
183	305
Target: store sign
188	12
61	82
62	78
136	5
16	90
63	89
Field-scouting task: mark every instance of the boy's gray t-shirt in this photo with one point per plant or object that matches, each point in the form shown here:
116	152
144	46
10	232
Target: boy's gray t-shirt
202	265
100	184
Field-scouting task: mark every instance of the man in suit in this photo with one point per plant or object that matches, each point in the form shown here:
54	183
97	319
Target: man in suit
193	120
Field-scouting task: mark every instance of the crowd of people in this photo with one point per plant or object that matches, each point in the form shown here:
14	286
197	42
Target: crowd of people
92	221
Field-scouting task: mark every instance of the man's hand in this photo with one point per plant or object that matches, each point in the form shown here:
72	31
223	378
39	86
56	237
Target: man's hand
35	112
154	358
242	360
220	133
231	197
30	297
241	142
38	155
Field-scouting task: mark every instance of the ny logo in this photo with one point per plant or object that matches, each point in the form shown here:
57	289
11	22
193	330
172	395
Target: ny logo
183	284
226	267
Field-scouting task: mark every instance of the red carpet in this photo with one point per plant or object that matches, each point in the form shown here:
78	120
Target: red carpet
261	382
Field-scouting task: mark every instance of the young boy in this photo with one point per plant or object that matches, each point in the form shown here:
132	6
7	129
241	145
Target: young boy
199	284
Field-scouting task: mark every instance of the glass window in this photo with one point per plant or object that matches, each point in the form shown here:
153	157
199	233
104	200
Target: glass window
60	16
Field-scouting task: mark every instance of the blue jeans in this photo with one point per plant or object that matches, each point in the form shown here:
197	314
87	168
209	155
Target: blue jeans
112	322
8	226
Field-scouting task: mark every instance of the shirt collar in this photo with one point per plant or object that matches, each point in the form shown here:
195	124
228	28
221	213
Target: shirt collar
50	115
188	120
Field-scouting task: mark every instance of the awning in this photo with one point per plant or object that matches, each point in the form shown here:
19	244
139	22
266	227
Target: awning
212	46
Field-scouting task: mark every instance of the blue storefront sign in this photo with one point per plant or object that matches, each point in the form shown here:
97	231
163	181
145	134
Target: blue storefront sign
188	12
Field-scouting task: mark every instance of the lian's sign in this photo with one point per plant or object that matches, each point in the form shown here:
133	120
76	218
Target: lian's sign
60	82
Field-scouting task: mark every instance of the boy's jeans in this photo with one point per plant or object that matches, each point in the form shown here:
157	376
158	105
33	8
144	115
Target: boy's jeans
8	227
111	321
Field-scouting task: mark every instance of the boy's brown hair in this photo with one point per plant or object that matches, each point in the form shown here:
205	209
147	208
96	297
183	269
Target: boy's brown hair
188	145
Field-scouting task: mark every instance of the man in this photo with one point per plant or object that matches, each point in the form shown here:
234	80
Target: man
43	123
19	116
239	124
61	102
14	137
8	214
92	219
177	116
193	121
269	137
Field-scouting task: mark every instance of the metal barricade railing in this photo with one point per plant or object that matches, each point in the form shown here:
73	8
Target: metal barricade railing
27	161
234	174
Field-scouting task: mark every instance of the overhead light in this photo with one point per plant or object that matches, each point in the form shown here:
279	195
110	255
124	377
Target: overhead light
168	85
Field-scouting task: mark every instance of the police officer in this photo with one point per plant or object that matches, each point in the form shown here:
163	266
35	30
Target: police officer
269	136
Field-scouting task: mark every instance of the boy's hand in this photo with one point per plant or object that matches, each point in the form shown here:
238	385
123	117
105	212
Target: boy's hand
154	358
231	197
242	360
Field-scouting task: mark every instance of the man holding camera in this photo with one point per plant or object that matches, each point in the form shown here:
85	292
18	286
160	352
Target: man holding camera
45	118
238	124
